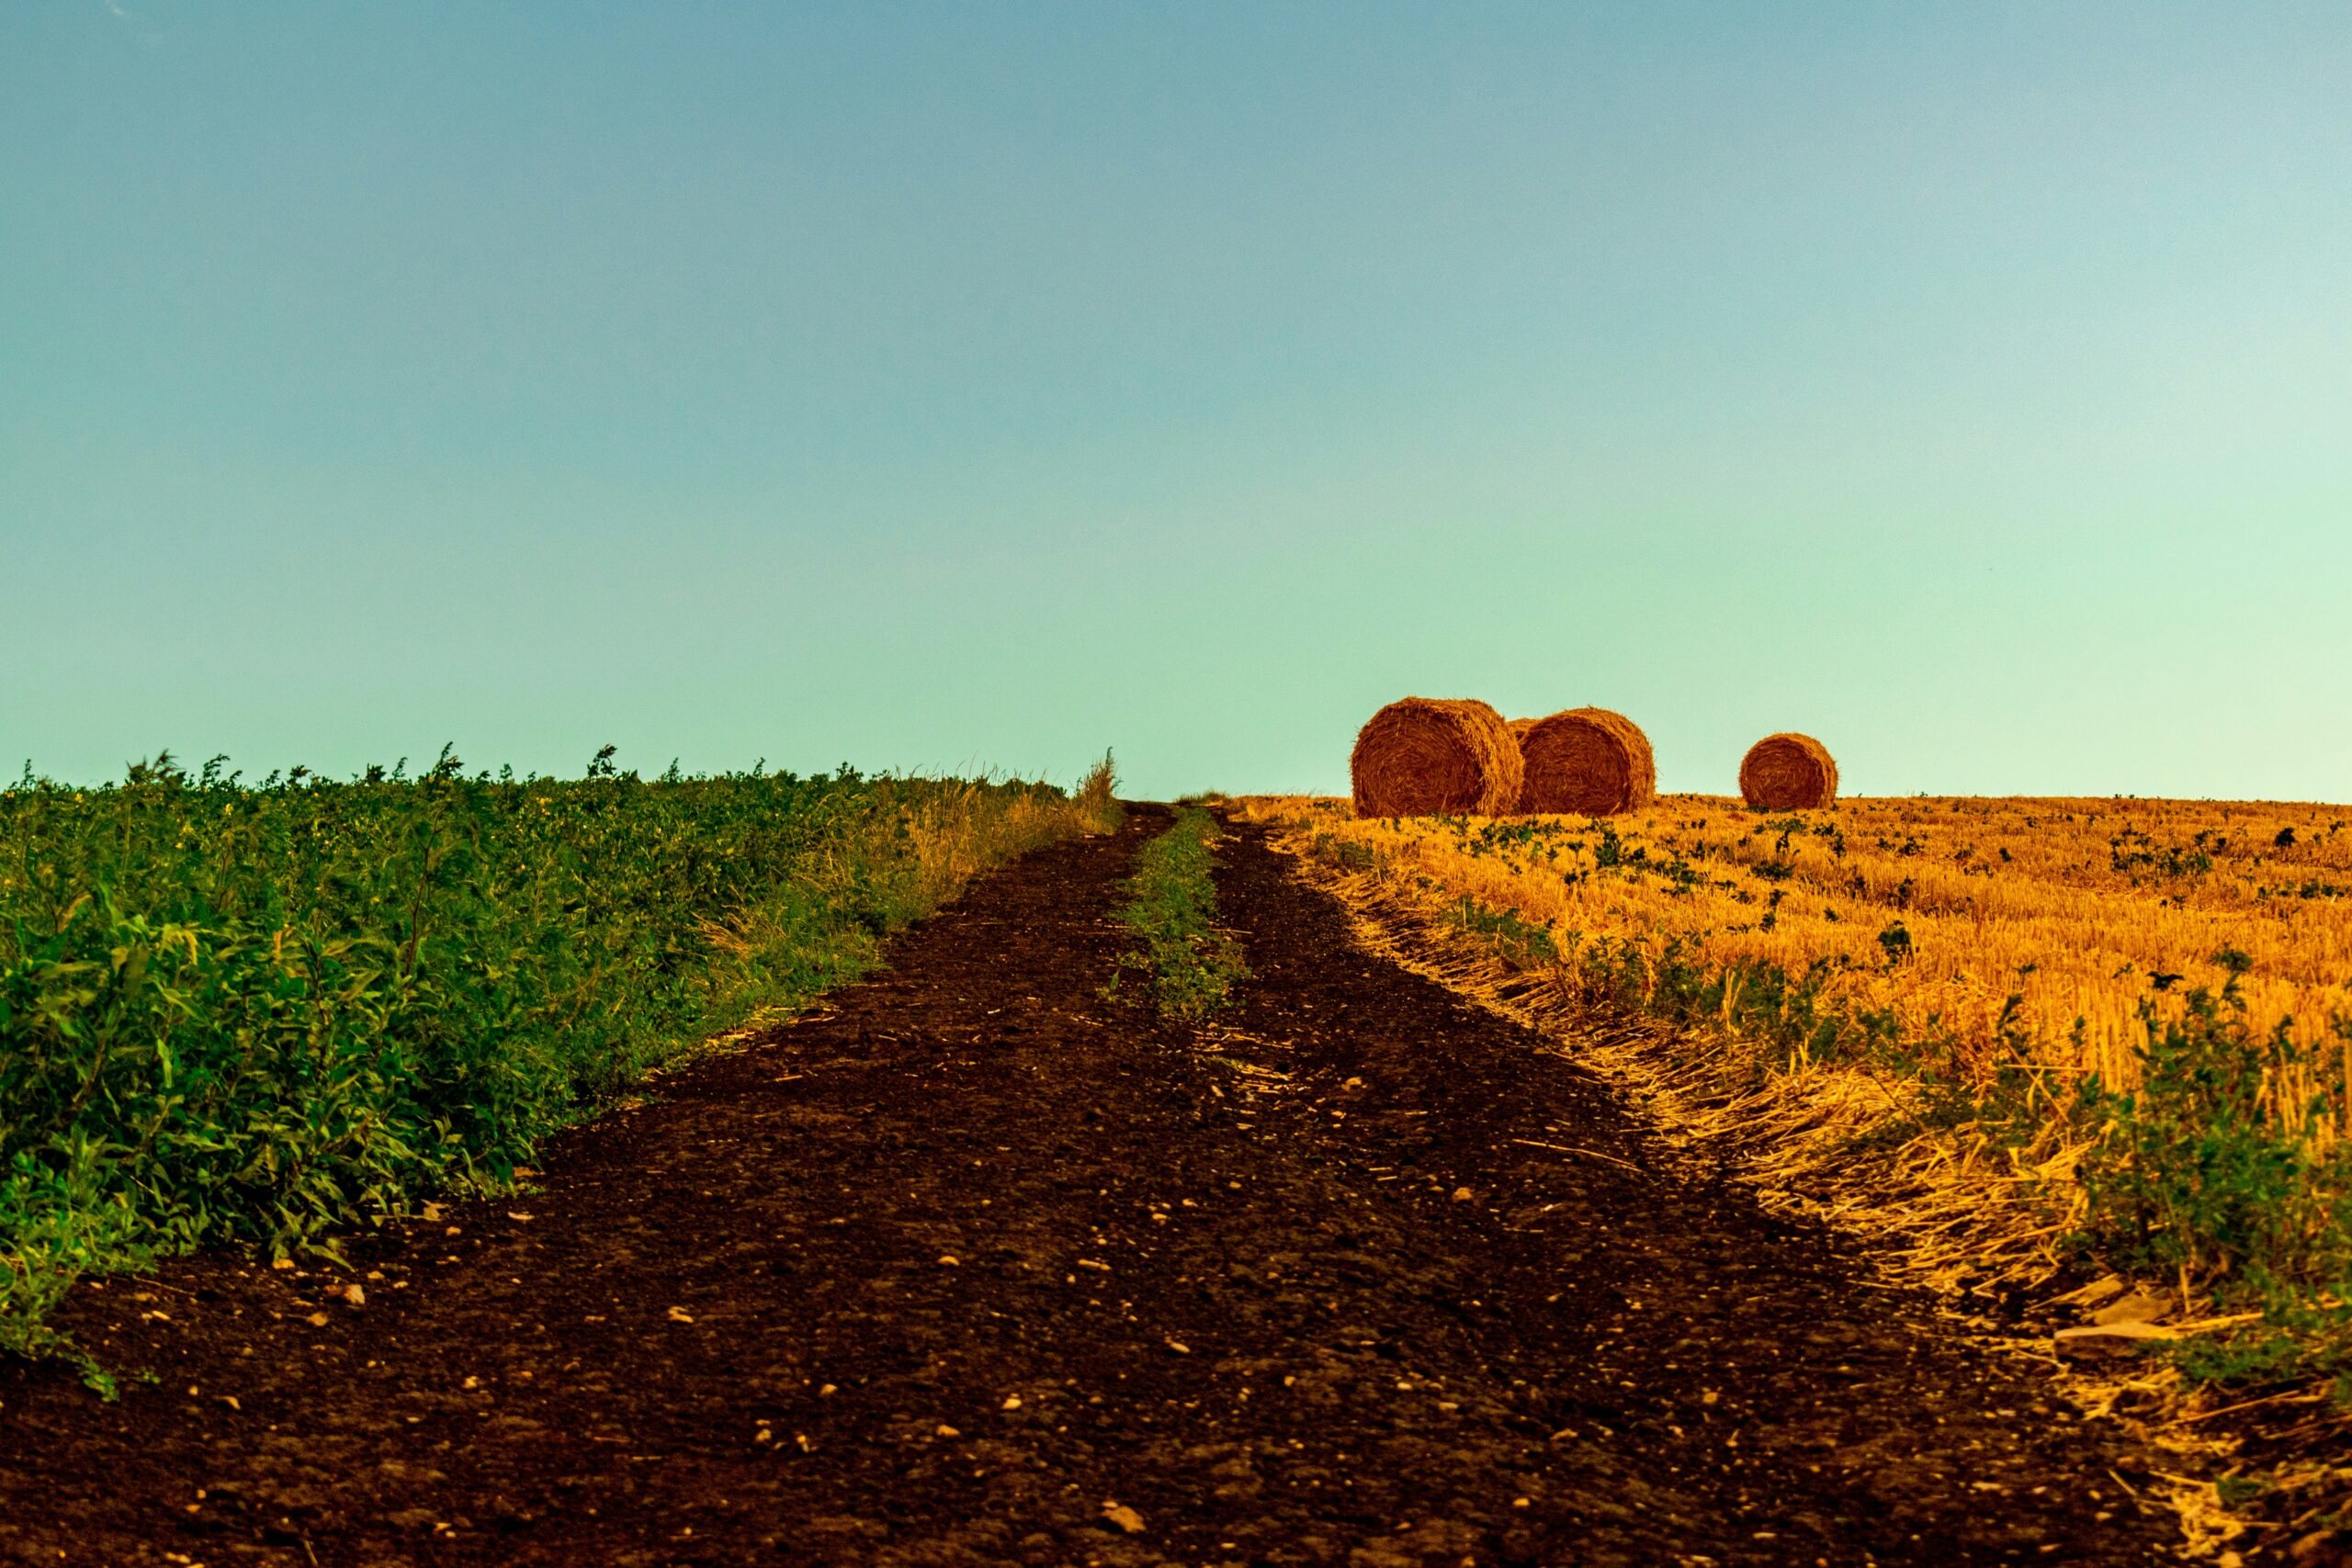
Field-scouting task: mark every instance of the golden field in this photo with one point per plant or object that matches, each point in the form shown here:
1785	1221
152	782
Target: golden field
2019	931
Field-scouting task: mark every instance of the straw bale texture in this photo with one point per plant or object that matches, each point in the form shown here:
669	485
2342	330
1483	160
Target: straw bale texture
1586	762
1789	772
1423	756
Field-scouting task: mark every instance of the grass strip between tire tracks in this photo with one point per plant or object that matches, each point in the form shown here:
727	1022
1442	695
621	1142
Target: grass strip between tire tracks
1171	905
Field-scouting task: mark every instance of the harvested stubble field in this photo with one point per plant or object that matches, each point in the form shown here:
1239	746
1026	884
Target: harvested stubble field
2088	910
2024	1040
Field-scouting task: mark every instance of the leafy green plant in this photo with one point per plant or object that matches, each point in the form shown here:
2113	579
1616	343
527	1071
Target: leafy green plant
1519	943
1344	854
60	1223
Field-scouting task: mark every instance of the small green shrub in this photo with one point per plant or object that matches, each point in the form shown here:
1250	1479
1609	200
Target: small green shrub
1346	854
2201	1175
1519	943
2196	1172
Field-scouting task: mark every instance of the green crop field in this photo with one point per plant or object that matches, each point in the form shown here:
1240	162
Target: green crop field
260	1012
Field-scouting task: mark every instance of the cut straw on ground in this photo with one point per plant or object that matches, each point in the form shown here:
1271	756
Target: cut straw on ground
1957	1207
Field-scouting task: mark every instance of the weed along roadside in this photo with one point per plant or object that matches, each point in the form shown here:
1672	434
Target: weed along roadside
273	1014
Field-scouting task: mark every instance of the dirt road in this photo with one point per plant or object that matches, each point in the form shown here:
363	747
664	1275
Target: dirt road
983	1267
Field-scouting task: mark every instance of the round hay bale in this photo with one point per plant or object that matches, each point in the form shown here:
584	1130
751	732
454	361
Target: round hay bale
1423	756
1586	762
1789	772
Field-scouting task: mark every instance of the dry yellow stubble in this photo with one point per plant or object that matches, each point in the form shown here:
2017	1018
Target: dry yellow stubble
1939	911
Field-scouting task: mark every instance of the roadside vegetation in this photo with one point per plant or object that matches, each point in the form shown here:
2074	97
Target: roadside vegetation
1192	965
264	1012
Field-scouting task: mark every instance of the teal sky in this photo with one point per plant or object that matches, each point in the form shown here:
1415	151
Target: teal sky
1968	385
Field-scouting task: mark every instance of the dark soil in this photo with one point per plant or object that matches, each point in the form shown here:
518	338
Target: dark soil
982	1266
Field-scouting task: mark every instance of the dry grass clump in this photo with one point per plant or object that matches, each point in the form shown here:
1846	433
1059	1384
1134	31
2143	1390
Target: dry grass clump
1429	756
1586	762
1789	772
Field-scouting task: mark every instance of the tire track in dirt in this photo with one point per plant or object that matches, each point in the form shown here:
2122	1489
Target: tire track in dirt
980	1266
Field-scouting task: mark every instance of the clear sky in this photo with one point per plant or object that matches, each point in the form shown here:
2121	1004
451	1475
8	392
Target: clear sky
1968	385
